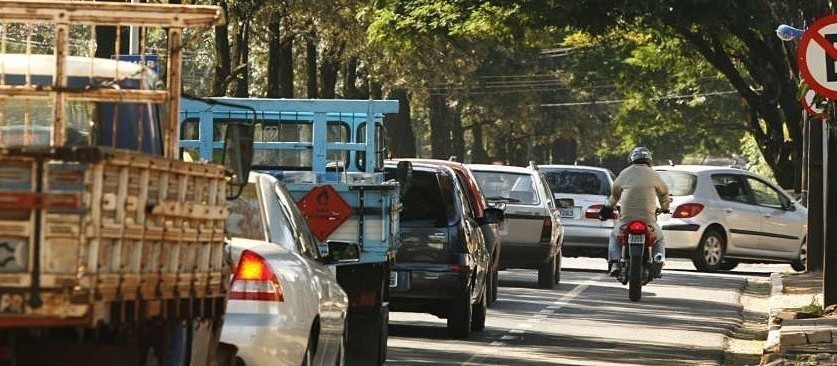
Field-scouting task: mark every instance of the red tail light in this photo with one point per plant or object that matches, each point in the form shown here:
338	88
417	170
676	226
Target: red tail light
593	212
687	210
254	280
546	232
637	227
459	268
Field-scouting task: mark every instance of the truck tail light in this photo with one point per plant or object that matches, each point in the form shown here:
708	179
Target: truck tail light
254	280
546	232
687	210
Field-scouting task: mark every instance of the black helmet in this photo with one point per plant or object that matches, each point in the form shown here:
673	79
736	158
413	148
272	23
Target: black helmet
640	155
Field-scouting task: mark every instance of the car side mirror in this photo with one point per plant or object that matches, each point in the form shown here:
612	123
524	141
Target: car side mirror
494	215
238	156
500	205
342	252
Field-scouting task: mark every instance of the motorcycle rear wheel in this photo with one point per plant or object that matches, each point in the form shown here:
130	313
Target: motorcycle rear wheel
635	279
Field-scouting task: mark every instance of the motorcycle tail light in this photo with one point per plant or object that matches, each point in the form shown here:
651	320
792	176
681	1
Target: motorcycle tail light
687	210
637	227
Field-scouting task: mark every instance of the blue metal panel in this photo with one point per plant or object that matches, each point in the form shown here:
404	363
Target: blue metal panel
320	139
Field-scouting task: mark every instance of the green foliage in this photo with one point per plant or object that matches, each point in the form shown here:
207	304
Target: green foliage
814	307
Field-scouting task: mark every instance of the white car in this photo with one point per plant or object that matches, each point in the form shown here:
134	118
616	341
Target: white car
580	192
285	305
723	216
532	233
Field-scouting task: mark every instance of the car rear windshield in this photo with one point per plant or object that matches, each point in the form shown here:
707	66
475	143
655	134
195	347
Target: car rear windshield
578	181
510	187
428	199
679	183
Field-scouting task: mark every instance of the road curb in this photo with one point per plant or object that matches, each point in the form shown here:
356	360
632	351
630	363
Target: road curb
771	344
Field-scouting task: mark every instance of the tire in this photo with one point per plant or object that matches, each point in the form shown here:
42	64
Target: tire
459	317
800	264
308	357
546	274
478	312
635	280
489	287
367	342
558	258
710	252
728	264
495	284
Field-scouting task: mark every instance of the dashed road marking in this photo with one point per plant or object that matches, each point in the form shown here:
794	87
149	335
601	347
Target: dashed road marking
492	348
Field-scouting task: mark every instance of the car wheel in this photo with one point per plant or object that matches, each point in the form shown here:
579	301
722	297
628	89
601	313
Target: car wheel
558	267
495	285
479	311
308	358
728	264
489	287
710	252
459	317
801	262
546	274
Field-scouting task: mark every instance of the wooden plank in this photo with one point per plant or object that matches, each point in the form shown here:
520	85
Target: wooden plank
106	13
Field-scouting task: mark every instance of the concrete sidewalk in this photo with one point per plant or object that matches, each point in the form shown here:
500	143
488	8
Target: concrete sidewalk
797	335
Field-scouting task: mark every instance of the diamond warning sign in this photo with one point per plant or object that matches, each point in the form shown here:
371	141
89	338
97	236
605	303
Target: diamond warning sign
325	210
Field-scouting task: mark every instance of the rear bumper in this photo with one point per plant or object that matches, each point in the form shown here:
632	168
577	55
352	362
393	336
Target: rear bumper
426	290
681	235
586	237
264	334
526	255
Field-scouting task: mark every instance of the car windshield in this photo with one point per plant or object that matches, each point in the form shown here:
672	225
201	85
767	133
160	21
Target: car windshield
578	181
679	183
509	187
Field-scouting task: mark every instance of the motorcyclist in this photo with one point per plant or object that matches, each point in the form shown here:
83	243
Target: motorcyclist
635	190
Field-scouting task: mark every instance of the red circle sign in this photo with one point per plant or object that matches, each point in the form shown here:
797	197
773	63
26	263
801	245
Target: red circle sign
813	110
818	56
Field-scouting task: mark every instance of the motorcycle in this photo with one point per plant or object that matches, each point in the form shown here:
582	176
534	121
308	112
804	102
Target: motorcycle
638	265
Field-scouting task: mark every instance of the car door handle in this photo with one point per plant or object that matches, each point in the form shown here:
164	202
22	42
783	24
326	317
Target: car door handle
728	210
767	216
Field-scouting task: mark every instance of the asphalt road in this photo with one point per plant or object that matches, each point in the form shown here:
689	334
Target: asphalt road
587	320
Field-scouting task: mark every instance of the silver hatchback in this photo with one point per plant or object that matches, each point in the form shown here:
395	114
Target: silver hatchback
724	216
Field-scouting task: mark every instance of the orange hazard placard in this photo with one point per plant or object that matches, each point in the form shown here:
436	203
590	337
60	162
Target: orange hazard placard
325	210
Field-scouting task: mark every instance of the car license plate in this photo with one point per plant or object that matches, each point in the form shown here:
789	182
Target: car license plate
636	239
567	212
393	279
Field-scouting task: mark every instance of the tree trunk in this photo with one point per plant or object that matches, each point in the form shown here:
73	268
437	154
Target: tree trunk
286	67
328	71
106	40
458	135
311	66
350	90
478	153
223	66
440	142
564	151
274	54
242	47
399	127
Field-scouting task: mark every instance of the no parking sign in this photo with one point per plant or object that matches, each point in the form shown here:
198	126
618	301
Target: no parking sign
818	56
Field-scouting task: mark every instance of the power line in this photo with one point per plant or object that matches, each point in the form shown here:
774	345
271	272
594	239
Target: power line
615	101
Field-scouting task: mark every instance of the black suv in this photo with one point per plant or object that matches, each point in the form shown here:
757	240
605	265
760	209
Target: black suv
442	262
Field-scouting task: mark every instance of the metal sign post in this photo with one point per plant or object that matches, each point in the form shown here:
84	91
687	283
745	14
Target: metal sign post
818	65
